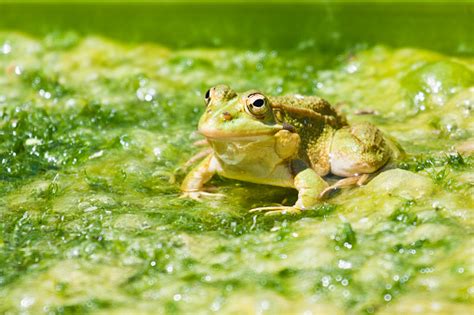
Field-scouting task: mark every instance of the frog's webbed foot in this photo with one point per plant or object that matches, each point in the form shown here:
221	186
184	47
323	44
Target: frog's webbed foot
200	195
277	210
345	183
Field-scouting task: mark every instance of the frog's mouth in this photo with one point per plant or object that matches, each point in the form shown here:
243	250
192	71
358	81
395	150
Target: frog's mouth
216	134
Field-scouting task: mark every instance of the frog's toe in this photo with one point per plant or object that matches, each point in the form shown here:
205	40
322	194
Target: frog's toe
277	210
211	195
288	210
195	195
200	195
353	181
326	192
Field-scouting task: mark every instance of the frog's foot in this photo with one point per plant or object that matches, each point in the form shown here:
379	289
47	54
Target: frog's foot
277	210
358	180
200	195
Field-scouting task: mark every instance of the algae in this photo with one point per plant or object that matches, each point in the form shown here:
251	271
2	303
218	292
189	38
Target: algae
93	137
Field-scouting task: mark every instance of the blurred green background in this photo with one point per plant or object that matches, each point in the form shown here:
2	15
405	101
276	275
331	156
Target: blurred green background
321	25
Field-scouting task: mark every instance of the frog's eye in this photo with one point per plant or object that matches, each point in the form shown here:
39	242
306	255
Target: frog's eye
207	97
257	104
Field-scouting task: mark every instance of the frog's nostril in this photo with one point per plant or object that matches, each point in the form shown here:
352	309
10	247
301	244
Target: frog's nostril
226	116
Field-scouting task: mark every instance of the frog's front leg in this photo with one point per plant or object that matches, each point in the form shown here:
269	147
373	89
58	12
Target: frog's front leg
287	144
192	186
309	185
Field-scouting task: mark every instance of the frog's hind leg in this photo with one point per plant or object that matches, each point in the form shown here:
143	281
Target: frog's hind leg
358	149
348	182
357	152
309	185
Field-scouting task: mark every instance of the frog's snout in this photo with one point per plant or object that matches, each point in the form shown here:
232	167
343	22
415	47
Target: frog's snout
226	116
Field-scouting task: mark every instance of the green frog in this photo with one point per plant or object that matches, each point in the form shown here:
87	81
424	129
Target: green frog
288	141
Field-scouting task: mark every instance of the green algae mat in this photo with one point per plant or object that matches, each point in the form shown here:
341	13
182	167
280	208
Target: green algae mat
94	133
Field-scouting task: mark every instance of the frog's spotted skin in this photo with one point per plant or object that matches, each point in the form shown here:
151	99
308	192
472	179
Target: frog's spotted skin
315	121
288	141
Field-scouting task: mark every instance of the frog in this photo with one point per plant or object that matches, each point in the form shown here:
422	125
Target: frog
292	141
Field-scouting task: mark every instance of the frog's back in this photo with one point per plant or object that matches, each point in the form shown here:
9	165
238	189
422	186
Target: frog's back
315	120
302	109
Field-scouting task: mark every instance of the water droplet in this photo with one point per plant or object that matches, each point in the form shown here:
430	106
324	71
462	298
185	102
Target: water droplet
344	264
216	305
470	291
435	85
352	68
265	305
90	209
32	142
157	152
18	70
325	281
27	301
146	94
6	48
96	154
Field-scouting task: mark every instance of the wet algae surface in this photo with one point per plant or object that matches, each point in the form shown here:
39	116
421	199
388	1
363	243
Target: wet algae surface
94	134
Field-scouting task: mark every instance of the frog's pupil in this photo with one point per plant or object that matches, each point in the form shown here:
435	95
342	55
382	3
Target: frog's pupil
207	94
258	103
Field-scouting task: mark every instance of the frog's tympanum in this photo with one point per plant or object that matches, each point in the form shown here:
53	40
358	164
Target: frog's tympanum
289	141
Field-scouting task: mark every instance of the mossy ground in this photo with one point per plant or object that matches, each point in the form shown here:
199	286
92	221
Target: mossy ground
93	134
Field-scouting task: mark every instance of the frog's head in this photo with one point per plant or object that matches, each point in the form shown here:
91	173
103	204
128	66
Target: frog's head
232	115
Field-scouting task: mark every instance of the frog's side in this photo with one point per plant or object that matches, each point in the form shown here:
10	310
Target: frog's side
289	141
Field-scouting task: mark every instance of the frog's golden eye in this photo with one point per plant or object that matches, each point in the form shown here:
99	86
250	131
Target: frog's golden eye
207	97
257	104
